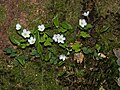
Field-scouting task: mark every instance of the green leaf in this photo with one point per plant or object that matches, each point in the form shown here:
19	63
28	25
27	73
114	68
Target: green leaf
47	26
61	73
84	34
16	62
22	41
39	49
89	26
21	59
42	39
10	50
76	47
14	40
51	61
45	36
38	45
63	45
53	50
35	53
104	29
56	21
66	25
47	43
23	46
48	56
13	55
49	39
60	63
80	73
95	54
86	50
55	62
62	30
101	88
98	47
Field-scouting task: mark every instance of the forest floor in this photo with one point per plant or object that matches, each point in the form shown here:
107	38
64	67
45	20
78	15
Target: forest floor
41	75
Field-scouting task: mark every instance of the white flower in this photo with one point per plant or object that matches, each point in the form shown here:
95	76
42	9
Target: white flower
82	23
102	55
86	13
62	57
31	40
61	39
41	27
25	33
58	38
18	26
55	37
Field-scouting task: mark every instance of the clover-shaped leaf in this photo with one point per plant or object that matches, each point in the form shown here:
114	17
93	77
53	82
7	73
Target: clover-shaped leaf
10	51
48	42
86	50
98	47
101	88
42	39
84	34
76	47
66	25
88	26
62	30
49	39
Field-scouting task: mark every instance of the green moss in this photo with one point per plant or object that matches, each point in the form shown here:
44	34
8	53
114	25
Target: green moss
106	6
108	33
31	76
67	10
2	14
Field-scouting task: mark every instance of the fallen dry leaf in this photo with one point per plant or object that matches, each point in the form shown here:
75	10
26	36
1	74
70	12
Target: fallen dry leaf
119	69
118	62
118	81
117	52
79	57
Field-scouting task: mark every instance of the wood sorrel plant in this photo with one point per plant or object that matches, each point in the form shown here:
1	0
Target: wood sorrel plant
50	46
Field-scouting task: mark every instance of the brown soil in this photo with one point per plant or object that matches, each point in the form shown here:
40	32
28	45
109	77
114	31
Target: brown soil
10	7
14	13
